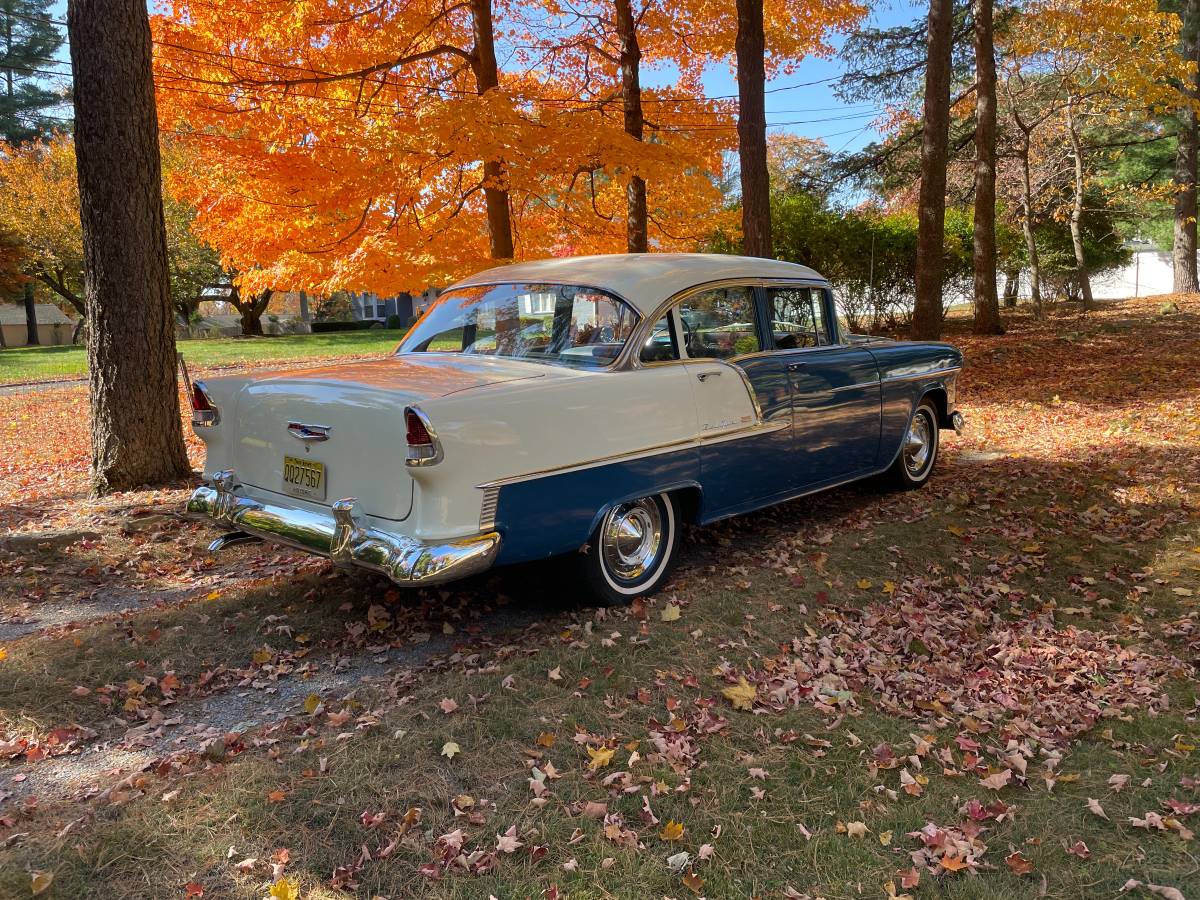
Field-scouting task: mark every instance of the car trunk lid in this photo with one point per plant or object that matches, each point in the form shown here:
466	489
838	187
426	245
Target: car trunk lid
338	431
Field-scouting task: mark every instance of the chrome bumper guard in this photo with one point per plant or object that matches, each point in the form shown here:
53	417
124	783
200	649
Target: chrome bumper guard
341	537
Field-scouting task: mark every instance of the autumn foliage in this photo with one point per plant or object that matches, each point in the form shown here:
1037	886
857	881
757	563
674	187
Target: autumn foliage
377	148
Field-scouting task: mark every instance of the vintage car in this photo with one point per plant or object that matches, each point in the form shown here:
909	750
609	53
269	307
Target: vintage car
586	406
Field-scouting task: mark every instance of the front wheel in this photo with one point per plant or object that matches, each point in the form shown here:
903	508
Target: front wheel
919	451
633	549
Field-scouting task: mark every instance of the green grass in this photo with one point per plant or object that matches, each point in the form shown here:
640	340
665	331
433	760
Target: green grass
47	363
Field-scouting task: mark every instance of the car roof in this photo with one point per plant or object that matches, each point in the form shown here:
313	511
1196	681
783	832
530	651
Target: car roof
644	279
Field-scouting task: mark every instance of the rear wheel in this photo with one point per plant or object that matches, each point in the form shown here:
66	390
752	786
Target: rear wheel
633	549
918	453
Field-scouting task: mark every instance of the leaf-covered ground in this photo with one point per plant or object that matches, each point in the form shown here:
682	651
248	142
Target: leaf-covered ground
986	688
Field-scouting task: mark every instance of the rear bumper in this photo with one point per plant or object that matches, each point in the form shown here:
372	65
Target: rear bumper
340	536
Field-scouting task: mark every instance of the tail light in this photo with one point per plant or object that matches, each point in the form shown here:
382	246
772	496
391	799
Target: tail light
424	449
204	413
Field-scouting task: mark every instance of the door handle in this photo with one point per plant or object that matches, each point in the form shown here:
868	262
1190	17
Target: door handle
796	366
704	376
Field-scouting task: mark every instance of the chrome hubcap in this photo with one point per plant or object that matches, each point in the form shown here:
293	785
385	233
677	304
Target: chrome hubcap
918	445
631	537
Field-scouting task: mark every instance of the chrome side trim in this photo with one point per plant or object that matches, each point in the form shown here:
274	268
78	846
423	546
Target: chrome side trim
487	512
918	376
758	428
341	536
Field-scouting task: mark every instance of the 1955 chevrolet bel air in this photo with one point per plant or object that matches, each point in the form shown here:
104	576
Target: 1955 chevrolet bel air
587	405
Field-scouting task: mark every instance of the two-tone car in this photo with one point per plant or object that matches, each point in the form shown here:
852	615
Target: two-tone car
588	406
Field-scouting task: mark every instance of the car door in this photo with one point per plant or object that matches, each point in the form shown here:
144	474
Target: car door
743	398
836	404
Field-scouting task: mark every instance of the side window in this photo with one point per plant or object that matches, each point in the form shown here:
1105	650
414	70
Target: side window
798	317
720	323
662	345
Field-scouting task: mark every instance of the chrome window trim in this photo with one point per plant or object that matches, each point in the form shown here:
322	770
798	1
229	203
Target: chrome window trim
635	330
679	296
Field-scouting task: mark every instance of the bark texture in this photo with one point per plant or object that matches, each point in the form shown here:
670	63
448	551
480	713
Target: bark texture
31	322
631	97
931	204
495	180
251	310
750	45
1082	275
1184	246
987	304
137	436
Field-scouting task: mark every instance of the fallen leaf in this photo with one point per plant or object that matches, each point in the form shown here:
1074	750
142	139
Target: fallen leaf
997	780
1018	863
672	831
857	829
285	889
600	757
1160	890
741	695
693	882
670	613
448	705
450	749
276	796
39	882
1095	808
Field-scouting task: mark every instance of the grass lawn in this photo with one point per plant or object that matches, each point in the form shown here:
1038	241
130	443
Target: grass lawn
48	363
983	689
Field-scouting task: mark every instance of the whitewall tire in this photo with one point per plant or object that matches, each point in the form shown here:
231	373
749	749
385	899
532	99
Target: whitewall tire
633	549
918	451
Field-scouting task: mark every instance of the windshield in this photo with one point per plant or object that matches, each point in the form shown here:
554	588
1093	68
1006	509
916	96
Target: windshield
554	323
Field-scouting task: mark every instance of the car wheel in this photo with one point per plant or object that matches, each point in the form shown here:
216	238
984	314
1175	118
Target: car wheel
633	549
919	451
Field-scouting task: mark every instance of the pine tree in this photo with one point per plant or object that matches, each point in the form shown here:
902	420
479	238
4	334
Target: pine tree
29	40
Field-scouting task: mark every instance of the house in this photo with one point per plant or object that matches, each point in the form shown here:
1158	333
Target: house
366	305
54	326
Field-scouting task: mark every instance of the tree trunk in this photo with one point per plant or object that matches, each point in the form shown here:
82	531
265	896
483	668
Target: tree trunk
987	305
31	323
137	435
1012	287
750	45
1184	249
931	204
1031	247
305	316
251	321
631	97
495	180
1081	268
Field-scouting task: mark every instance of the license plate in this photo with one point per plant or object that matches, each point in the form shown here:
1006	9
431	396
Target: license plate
304	477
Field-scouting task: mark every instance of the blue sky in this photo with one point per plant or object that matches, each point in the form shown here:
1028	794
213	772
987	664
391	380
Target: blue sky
811	111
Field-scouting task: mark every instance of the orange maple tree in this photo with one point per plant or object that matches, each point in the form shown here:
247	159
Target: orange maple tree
385	147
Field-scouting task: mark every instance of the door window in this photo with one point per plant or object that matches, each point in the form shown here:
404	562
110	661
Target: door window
661	345
720	323
798	317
